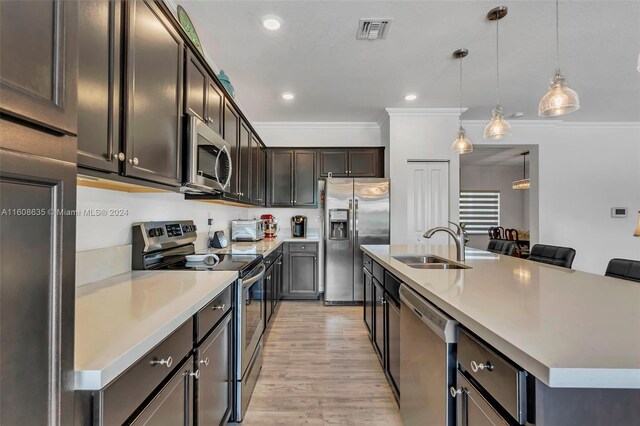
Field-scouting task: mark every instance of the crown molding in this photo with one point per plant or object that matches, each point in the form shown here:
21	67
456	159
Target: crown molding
562	124
423	111
316	125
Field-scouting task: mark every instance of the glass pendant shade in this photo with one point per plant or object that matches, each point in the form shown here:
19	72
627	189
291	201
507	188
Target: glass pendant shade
498	127
637	233
462	145
559	100
522	184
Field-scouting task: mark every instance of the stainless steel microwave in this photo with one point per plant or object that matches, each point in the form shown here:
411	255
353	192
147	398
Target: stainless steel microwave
207	160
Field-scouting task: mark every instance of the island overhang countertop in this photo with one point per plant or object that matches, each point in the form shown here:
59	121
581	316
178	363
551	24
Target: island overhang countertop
570	329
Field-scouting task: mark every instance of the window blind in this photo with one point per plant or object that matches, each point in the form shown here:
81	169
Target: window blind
479	210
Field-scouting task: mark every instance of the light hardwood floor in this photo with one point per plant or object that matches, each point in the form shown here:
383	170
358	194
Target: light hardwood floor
320	369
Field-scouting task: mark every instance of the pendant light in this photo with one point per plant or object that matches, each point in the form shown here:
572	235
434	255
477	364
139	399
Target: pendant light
524	183
462	145
560	99
498	127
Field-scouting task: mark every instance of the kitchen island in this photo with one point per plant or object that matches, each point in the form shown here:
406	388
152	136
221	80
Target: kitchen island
576	333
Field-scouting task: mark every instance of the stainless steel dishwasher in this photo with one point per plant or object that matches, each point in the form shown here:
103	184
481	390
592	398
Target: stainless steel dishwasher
428	362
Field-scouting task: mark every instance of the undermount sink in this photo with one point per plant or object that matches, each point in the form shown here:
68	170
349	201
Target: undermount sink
428	262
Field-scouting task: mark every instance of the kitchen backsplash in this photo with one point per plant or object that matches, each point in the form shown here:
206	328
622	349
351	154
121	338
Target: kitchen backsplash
103	238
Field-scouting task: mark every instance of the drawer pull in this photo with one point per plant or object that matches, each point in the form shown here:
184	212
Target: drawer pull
476	367
219	308
196	374
455	392
166	362
205	361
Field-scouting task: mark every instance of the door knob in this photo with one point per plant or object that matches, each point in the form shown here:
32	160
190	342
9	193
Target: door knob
119	156
205	361
134	161
195	374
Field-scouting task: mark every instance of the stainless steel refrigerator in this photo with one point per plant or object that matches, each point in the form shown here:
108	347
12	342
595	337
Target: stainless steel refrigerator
356	213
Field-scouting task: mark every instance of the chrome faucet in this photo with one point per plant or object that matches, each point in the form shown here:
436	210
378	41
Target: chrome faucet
458	237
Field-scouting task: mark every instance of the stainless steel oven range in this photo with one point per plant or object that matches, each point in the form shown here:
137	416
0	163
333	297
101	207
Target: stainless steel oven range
166	245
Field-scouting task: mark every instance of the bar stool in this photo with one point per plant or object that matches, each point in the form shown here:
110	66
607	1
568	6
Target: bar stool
625	269
552	255
502	247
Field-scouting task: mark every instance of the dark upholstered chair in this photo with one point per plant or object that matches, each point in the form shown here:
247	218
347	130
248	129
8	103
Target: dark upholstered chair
625	269
552	255
502	247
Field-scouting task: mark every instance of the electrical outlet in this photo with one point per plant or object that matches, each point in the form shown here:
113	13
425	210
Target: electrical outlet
209	221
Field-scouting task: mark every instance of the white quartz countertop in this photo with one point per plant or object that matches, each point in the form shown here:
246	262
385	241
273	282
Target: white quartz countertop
569	329
263	247
121	318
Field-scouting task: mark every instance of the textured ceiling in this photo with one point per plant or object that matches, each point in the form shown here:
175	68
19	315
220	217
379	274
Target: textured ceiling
338	78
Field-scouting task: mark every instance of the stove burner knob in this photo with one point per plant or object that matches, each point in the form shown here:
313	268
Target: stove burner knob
152	232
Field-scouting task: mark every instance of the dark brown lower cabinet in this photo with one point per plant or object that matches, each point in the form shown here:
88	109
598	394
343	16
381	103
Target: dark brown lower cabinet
392	308
300	271
368	301
378	320
172	405
213	388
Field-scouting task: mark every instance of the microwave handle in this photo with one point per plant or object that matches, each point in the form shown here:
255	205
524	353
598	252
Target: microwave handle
224	149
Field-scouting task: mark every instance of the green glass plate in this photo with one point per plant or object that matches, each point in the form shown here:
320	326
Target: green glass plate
186	23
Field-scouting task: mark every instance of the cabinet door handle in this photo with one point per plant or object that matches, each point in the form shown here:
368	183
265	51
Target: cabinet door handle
119	156
134	161
166	362
205	361
219	308
195	374
455	392
477	367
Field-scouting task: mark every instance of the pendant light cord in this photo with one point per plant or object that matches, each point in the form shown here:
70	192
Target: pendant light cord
557	36
497	63
460	93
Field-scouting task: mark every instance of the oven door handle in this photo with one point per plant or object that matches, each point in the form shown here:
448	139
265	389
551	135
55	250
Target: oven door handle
253	279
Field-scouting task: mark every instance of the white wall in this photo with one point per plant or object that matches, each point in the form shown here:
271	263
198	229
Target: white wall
385	140
583	169
419	134
318	134
500	178
94	232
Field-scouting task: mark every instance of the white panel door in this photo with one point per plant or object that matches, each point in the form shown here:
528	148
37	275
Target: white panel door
427	200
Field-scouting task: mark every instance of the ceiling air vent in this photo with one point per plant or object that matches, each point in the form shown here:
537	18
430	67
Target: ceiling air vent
373	29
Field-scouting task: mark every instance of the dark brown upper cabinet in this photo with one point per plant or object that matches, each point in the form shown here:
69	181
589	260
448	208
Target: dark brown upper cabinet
335	162
305	182
154	95
231	135
203	97
244	172
196	85
280	178
38	63
257	172
357	162
293	178
99	84
215	100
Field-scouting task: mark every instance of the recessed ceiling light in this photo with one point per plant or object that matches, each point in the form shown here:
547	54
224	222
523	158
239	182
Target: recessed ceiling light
288	96
411	97
270	22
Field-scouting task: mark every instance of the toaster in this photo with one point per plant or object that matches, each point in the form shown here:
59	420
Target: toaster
247	230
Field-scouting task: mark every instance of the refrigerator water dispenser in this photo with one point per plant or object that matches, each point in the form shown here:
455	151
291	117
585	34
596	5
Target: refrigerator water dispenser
338	224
